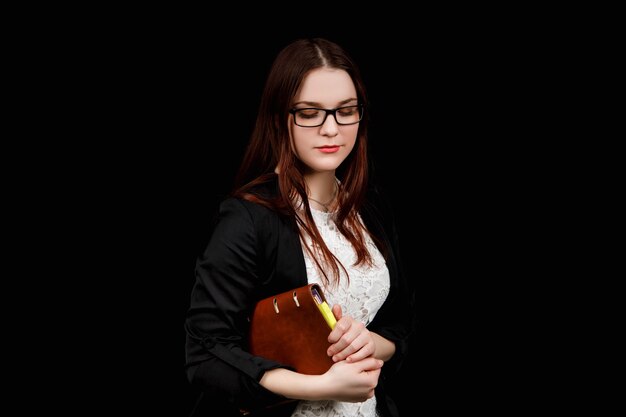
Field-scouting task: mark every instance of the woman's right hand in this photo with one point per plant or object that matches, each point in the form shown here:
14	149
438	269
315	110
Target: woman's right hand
344	381
352	381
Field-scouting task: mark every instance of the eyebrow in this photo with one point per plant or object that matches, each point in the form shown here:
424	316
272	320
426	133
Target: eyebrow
316	104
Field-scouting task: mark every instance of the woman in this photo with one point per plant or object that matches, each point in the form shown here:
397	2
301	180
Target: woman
302	211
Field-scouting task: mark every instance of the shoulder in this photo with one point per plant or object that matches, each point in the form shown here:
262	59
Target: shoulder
244	197
252	208
240	223
239	209
255	200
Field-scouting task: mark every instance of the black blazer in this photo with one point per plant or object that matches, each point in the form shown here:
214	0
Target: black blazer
253	253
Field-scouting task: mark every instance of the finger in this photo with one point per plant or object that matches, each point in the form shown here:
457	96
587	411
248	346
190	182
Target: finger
342	326
361	346
350	342
367	350
370	364
337	311
350	331
346	347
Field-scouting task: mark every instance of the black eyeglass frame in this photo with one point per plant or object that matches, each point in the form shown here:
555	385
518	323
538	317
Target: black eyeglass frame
359	107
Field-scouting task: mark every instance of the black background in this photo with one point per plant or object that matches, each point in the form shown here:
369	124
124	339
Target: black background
449	138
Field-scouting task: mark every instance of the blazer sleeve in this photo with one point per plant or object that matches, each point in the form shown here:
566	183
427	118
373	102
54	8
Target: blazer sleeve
216	324
396	319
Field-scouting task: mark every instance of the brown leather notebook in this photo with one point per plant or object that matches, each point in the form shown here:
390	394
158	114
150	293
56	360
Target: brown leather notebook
292	328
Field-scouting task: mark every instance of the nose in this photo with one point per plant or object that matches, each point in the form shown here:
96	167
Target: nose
330	126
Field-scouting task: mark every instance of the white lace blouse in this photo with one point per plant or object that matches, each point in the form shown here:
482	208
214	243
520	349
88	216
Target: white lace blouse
361	298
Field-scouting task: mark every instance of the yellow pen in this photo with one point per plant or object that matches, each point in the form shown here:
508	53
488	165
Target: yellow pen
324	308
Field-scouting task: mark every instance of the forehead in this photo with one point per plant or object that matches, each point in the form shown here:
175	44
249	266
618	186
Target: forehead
326	86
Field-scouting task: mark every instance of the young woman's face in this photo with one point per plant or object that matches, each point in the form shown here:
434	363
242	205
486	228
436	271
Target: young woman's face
325	147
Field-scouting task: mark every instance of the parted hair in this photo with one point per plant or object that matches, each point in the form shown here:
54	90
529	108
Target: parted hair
269	155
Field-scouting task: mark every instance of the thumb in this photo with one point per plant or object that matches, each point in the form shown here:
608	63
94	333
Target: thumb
337	311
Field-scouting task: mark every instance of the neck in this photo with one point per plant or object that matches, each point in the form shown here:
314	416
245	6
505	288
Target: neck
323	192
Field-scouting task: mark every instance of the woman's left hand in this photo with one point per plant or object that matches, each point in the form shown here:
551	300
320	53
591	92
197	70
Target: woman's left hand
349	339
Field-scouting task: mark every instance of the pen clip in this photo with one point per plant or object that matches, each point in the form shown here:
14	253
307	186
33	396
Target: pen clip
316	295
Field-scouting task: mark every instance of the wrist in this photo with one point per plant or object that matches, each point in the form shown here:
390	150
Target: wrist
294	385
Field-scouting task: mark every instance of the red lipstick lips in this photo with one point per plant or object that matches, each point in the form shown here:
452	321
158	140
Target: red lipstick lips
328	149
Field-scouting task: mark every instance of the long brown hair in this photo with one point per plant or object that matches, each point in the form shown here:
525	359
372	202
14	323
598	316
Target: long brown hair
269	148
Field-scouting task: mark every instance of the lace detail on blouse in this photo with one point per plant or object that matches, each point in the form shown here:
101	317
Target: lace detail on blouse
361	298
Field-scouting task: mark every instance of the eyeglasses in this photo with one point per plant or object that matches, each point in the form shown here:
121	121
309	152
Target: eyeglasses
313	117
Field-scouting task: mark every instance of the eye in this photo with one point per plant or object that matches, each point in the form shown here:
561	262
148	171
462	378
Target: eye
309	113
348	111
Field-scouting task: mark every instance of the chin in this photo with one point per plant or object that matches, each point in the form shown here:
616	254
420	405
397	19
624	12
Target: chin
326	163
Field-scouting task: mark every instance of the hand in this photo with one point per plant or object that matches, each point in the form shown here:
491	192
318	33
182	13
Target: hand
344	381
352	381
350	339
